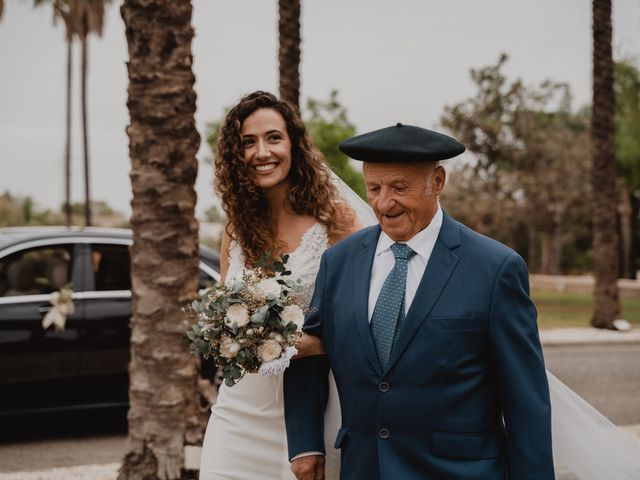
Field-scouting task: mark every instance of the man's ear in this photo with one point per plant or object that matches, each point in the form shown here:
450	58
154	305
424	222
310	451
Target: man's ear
438	178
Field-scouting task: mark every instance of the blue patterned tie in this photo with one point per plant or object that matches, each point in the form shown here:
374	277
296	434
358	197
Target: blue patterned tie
389	309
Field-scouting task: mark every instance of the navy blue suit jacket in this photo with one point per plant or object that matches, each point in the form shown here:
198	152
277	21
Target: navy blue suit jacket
465	393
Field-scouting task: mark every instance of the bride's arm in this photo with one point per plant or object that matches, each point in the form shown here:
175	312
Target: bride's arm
309	346
224	255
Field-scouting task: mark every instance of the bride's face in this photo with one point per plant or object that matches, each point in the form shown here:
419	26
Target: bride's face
267	147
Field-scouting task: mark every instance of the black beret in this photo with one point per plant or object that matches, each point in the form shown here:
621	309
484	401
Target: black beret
401	144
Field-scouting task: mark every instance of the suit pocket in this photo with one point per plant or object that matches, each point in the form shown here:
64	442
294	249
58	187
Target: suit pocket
468	446
452	323
340	437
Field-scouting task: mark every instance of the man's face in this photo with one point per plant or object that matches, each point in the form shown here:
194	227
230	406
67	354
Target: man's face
404	196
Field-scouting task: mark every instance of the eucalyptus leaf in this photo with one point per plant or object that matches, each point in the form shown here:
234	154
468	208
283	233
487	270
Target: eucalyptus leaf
258	317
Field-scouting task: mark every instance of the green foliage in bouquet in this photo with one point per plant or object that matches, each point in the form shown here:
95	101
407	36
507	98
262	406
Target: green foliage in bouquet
243	324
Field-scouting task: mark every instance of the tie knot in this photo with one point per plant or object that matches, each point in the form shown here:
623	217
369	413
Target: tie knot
400	250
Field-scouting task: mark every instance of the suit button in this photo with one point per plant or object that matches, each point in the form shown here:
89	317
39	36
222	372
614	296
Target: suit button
384	433
383	387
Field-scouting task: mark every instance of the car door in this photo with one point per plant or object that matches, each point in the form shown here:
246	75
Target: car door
107	311
38	367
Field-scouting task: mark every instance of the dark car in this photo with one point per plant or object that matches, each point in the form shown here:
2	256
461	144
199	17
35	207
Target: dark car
84	365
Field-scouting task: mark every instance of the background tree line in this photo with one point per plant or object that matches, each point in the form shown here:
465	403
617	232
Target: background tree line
527	182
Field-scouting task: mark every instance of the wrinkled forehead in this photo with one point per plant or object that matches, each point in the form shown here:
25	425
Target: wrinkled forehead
392	172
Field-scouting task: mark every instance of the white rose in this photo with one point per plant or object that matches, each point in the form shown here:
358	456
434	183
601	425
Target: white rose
269	286
269	350
293	313
237	313
229	348
277	337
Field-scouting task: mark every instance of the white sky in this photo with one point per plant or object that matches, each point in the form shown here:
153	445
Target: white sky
391	61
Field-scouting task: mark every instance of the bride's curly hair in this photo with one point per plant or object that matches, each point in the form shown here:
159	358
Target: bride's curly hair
311	191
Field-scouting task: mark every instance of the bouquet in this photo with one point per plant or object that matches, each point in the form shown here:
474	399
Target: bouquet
251	325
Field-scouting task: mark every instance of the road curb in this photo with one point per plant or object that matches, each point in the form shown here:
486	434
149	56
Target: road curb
563	337
107	471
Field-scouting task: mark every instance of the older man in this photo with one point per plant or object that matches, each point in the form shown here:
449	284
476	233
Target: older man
430	333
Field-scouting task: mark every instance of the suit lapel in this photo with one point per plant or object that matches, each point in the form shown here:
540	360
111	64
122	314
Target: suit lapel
441	265
363	262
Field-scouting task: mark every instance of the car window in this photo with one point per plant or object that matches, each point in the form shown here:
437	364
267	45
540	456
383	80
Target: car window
36	271
111	267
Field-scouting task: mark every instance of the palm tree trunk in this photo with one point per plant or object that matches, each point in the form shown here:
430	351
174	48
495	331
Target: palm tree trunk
164	414
67	150
289	53
603	177
85	126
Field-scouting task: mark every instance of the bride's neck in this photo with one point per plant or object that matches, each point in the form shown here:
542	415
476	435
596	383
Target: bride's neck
279	200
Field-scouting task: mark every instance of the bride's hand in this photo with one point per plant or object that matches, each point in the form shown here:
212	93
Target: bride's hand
308	346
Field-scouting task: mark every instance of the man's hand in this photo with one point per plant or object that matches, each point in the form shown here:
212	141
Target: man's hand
310	467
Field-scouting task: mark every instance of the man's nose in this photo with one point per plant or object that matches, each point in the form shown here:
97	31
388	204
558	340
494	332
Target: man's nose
386	200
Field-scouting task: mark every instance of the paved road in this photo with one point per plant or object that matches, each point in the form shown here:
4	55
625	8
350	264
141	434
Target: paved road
608	377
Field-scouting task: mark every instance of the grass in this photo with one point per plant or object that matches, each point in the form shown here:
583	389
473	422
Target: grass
568	309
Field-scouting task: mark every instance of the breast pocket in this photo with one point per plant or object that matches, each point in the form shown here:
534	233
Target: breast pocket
457	341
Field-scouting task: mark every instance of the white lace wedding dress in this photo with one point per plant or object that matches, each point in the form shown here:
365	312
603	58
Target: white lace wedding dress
246	436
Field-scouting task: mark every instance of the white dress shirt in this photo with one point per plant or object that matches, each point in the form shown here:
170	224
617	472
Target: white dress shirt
422	243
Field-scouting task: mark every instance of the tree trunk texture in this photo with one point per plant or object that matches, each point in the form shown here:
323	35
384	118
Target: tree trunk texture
603	177
551	254
85	126
626	230
289	53
67	149
532	248
164	413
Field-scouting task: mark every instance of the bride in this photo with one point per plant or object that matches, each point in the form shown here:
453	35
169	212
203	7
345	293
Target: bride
278	195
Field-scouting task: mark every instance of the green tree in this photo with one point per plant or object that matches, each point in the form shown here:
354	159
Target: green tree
18	211
11	211
519	135
603	172
329	125
626	85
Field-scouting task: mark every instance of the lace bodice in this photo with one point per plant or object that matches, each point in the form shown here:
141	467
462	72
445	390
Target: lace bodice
303	263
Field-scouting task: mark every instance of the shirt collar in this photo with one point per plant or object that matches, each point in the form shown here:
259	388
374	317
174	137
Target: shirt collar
421	243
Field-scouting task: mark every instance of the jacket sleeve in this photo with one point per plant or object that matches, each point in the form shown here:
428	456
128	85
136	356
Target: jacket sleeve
306	385
524	391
